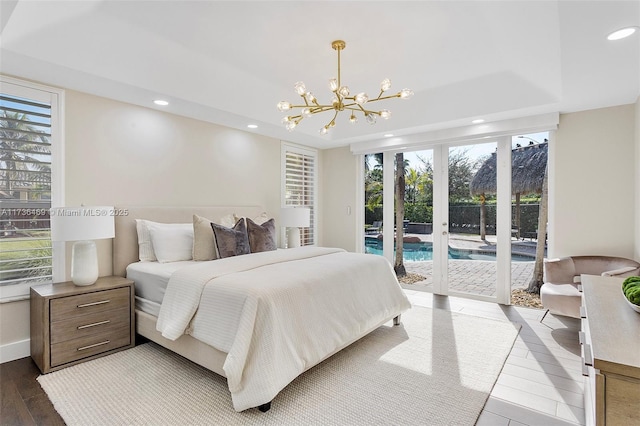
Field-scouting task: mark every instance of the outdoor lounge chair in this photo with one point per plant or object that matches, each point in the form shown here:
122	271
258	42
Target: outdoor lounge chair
560	294
375	228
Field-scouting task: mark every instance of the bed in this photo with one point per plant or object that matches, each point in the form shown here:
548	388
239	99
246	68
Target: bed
260	319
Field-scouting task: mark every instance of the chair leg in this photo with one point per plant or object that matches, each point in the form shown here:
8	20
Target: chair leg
545	314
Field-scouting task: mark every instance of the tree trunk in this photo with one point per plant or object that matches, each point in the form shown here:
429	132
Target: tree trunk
400	190
483	218
537	279
517	224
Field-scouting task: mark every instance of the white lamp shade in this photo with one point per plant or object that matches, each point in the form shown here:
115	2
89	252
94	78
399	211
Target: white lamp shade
82	223
295	217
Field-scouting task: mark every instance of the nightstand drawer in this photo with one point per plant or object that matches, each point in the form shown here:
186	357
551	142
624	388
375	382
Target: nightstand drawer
72	350
102	323
84	304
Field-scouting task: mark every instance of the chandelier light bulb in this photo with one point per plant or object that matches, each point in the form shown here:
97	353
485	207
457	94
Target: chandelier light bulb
385	85
353	119
361	98
406	93
285	120
306	112
324	130
385	113
310	96
284	106
300	88
371	118
290	125
333	84
344	91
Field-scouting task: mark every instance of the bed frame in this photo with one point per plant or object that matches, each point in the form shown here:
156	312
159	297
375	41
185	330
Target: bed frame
125	252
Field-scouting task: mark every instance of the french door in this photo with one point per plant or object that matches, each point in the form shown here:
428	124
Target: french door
464	261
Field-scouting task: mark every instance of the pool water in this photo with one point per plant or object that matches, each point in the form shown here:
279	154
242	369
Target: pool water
416	252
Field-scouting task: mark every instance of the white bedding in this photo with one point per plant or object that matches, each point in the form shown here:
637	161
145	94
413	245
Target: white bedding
151	278
278	313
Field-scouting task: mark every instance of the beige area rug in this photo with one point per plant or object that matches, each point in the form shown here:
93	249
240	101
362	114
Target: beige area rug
437	368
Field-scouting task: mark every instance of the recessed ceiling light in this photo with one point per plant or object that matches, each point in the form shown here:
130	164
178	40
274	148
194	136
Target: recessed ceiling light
161	102
478	121
252	126
622	33
388	135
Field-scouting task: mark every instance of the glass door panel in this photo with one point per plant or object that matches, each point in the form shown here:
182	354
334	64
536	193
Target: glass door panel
472	220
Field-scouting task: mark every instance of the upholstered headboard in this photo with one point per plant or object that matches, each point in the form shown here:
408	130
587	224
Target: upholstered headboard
125	244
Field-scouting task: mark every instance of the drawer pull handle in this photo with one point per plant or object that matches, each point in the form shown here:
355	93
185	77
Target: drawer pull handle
102	302
94	324
94	345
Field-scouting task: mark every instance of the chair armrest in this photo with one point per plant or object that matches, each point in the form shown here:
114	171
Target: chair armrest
559	271
626	271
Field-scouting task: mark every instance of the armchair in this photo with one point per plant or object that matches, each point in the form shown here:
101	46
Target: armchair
560	294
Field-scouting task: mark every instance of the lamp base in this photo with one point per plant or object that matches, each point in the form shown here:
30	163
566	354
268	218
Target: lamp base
84	263
293	239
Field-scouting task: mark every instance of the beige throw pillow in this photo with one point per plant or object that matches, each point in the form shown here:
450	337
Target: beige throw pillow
204	240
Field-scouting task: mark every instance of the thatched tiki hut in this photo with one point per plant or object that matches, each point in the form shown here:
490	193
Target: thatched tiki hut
528	164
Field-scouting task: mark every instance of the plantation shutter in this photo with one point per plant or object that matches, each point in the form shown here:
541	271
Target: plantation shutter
299	186
26	254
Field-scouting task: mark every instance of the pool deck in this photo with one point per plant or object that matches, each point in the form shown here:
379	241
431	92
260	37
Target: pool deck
473	276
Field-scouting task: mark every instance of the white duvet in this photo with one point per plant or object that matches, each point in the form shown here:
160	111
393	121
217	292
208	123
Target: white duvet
278	313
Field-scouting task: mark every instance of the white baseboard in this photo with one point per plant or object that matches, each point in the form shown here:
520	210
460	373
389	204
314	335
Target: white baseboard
15	350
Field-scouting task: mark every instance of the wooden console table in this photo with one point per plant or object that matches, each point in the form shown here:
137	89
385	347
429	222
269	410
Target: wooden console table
610	340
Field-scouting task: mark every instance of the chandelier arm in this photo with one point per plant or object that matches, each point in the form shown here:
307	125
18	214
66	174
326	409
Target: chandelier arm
333	120
397	95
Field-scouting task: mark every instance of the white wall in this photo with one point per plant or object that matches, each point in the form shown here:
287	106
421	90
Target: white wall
122	154
637	182
594	183
338	175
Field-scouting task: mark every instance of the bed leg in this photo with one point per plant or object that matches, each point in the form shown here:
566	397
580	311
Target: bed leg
396	320
264	407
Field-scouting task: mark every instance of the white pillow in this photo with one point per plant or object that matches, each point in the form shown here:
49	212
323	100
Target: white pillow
145	248
228	221
172	242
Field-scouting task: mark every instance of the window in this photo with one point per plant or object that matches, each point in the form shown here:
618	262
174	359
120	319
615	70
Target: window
30	155
299	185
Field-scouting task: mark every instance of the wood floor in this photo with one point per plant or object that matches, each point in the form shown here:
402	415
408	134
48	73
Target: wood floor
540	384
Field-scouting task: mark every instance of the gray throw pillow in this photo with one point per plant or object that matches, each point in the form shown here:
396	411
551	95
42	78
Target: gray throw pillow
231	241
261	237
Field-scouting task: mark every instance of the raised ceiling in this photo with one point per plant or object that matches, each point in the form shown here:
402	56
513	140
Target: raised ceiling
231	62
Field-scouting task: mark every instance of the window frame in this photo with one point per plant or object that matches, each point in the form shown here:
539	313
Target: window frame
308	152
55	97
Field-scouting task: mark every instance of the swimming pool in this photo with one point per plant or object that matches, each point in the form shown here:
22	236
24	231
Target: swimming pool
417	252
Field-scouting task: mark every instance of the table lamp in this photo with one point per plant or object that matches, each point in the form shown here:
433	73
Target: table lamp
82	225
295	218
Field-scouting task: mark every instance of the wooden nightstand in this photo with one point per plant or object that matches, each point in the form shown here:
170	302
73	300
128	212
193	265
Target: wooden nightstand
72	324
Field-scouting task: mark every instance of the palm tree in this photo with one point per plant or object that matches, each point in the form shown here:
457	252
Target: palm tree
400	189
537	279
20	144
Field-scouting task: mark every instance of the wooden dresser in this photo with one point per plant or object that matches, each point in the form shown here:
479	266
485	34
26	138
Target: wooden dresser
72	324
610	340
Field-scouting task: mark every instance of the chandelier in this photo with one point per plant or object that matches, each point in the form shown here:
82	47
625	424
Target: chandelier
341	101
